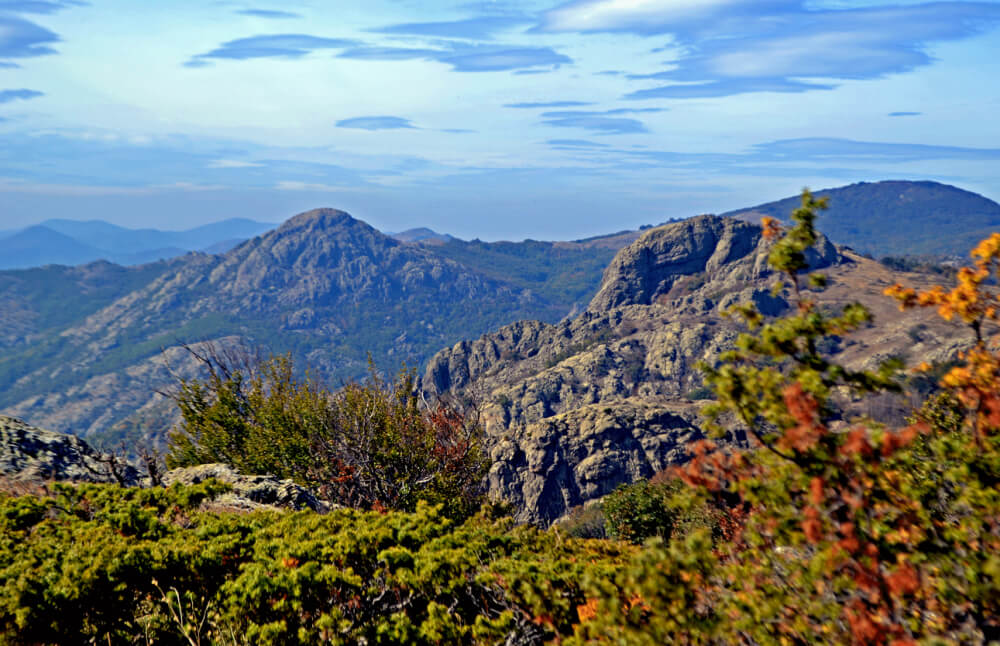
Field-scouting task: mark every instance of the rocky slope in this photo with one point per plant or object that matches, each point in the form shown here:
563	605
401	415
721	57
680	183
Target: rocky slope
576	408
324	286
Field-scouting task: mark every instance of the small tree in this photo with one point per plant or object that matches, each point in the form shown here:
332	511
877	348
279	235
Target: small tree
371	444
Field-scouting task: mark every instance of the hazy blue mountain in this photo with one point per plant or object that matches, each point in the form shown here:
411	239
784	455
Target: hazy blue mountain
122	240
40	245
224	230
223	245
422	234
73	242
897	218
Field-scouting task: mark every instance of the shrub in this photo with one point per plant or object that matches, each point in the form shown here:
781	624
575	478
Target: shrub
584	521
635	512
102	564
368	445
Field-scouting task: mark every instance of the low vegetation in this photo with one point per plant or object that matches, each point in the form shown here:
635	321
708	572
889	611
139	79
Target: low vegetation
822	529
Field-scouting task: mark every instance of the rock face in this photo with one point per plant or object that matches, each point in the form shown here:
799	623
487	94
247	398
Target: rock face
546	467
33	454
574	409
249	492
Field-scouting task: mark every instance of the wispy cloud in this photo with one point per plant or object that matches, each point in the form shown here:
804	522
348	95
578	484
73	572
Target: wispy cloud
478	28
599	113
35	6
905	114
270	46
570	144
270	14
375	123
21	38
22	94
467	58
726	87
233	163
726	47
547	104
594	123
104	159
812	149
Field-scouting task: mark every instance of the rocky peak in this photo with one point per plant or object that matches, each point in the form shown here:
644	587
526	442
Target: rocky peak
647	270
326	221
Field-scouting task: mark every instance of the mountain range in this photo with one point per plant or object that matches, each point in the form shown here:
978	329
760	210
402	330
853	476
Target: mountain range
75	242
87	349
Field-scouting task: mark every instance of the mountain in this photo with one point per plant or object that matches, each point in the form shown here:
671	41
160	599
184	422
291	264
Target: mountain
576	408
40	245
897	218
74	242
559	272
111	237
323	286
422	234
45	300
83	349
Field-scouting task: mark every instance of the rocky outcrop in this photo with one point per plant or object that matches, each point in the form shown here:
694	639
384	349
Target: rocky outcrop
33	454
549	466
249	492
626	370
727	250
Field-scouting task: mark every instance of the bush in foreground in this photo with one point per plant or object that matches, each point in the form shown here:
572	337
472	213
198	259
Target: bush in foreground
102	564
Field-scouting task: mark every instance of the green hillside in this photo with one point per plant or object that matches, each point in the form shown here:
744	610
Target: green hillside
897	218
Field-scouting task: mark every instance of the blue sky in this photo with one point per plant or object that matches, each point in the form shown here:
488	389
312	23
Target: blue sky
486	118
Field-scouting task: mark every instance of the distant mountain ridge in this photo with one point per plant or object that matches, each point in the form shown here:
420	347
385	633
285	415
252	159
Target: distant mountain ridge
897	218
75	242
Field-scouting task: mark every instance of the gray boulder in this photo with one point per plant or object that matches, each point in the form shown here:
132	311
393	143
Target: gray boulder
33	454
249	492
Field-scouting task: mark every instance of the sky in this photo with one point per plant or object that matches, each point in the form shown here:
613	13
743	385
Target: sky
491	119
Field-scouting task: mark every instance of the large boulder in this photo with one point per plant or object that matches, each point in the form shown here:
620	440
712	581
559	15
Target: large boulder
33	454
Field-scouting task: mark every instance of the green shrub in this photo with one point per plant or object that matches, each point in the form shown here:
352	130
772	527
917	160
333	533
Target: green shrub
102	564
584	521
368	445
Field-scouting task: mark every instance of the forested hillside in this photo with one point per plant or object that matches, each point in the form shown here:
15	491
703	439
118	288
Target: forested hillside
897	218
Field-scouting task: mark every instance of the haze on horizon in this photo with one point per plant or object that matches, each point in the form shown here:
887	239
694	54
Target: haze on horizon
485	119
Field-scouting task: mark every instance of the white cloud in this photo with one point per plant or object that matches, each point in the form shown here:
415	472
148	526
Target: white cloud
294	185
630	15
232	163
